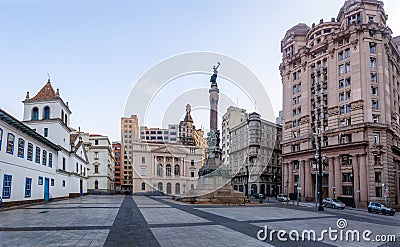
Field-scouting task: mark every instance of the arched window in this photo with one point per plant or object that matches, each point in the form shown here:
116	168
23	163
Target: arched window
169	188
46	112
160	186
96	185
177	170
21	147
177	188
62	115
35	113
143	186
168	170
10	143
66	119
96	169
159	170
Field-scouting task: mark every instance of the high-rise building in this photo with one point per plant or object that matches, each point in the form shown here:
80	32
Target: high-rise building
129	134
233	117
341	86
116	146
264	173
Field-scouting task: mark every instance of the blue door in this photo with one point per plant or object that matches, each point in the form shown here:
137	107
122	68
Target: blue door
46	190
81	188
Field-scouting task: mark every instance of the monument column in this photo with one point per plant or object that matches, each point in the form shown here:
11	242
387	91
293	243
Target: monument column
331	181
214	97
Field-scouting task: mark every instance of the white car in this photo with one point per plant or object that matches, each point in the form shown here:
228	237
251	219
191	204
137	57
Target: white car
282	198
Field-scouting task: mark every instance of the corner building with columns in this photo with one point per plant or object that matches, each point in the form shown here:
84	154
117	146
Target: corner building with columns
341	85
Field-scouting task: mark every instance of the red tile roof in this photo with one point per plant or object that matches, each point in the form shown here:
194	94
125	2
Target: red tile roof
46	93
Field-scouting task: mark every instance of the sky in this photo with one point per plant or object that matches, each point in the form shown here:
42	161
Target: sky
96	50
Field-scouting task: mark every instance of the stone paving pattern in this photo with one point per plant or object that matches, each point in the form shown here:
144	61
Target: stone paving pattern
159	221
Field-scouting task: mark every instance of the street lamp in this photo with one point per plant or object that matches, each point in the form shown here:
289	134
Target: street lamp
247	181
287	191
298	183
319	155
385	192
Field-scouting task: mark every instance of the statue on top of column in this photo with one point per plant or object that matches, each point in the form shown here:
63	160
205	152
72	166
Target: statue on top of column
214	76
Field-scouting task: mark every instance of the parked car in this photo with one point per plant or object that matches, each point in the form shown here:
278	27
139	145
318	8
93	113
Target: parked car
333	203
259	196
282	198
376	207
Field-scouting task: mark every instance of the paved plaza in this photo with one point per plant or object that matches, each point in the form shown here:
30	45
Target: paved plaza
159	221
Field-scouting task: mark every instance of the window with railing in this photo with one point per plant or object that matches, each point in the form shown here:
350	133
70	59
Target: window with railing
377	159
372	47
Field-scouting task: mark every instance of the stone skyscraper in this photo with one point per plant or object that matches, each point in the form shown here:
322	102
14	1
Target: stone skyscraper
341	83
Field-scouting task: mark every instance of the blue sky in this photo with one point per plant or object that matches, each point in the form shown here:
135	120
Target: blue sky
95	50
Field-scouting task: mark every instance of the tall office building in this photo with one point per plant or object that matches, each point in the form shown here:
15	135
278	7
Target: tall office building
264	174
341	84
116	146
129	134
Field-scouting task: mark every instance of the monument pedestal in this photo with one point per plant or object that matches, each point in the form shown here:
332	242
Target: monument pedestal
214	183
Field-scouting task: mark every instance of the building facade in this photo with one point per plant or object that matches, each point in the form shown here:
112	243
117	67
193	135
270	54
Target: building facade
341	84
165	167
232	118
39	155
169	134
101	163
263	174
116	146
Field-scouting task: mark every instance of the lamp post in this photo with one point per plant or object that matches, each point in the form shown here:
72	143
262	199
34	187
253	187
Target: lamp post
385	195
318	175
298	184
287	191
247	181
320	207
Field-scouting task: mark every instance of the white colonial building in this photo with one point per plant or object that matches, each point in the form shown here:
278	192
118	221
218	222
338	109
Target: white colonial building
101	163
38	159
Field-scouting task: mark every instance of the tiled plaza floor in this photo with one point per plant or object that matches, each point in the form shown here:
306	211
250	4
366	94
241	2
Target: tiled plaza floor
158	221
